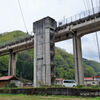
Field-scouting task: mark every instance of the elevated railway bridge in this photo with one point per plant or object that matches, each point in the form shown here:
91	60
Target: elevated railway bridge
46	34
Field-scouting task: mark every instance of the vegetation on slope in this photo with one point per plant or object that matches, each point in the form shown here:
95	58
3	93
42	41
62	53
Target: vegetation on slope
65	65
64	62
10	37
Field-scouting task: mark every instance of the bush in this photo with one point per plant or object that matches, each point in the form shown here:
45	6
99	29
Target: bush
52	86
89	86
10	85
80	86
95	86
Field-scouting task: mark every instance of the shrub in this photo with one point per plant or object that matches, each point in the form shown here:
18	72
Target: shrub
81	86
10	85
95	86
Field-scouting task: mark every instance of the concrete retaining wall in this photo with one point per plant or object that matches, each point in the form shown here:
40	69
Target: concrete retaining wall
54	91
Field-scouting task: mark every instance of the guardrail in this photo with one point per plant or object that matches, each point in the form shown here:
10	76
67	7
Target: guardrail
78	16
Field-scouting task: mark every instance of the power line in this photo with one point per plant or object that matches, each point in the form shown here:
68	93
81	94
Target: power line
95	25
88	4
98	45
96	32
85	4
92	6
97	40
22	16
99	4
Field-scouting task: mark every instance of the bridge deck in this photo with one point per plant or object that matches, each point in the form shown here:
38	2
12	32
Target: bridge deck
83	26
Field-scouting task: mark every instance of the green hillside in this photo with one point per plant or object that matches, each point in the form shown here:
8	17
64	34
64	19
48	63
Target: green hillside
10	37
95	65
64	61
65	65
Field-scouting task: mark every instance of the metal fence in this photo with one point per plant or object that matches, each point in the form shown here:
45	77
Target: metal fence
78	16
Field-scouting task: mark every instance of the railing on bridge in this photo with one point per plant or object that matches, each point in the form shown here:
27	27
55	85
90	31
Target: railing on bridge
14	41
78	16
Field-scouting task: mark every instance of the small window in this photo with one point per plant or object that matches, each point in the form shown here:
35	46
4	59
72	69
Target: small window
66	81
69	82
72	82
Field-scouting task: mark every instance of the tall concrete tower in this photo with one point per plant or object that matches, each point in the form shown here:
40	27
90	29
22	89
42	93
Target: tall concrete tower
44	69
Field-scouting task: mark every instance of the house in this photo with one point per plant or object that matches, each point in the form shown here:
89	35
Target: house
97	78
92	80
4	80
59	81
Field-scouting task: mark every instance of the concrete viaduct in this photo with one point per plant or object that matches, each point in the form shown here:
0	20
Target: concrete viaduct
46	33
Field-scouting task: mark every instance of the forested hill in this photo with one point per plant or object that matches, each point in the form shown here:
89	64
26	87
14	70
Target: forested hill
9	37
64	61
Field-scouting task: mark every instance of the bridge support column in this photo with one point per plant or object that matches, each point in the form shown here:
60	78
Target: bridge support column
44	69
12	64
79	70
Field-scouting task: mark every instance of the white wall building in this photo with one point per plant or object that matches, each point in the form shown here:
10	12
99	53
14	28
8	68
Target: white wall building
92	80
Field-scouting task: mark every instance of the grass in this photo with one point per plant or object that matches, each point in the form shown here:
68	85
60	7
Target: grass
88	87
38	97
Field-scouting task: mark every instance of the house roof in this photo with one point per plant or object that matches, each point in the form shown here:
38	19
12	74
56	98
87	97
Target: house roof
96	76
60	79
88	78
3	78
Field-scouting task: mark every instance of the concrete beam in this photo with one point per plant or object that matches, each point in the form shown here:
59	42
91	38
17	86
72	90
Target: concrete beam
18	46
79	70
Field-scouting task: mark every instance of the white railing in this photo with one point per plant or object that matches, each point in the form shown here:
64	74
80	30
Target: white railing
78	16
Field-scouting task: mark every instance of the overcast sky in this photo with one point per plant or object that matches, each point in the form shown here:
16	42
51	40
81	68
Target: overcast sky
11	19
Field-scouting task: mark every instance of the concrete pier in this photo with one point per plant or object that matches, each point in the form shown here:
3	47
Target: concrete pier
79	70
44	69
12	64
